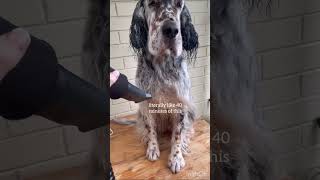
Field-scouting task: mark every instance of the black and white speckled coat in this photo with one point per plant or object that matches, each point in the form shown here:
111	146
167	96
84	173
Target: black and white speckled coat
163	72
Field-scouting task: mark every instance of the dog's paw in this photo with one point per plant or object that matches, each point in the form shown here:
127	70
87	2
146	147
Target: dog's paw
176	162
153	152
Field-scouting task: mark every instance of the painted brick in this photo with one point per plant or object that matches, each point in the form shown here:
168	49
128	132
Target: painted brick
124	37
279	9
311	27
207	90
312	5
316	176
198	97
195	72
289	8
275	91
130	62
201	18
130	73
77	141
24	150
119	108
120	23
202	51
73	64
206	79
197	81
291	60
197	6
207	70
311	83
53	166
120	50
208	28
285	32
287	140
197	89
204	40
9	176
306	158
3	128
66	38
292	114
203	61
261	15
113	11
259	67
62	10
34	123
114	38
117	63
310	135
125	8
201	29
199	108
23	12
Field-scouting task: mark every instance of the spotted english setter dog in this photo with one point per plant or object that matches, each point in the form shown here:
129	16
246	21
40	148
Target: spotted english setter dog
165	41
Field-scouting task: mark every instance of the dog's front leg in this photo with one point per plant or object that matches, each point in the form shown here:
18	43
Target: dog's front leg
153	152
176	161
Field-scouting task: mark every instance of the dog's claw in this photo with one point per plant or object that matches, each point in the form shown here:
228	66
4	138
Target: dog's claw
176	163
153	152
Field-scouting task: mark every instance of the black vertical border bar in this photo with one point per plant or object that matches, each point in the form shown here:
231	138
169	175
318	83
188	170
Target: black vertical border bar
106	12
212	119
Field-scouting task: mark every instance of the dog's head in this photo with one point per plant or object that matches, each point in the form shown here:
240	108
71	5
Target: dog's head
163	27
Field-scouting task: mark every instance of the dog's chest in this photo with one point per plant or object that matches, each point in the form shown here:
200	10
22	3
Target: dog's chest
155	77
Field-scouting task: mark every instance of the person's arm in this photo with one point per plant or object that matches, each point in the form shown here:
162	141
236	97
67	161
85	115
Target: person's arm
38	85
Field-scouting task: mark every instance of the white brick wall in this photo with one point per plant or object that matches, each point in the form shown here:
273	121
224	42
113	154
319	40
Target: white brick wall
122	55
288	53
35	145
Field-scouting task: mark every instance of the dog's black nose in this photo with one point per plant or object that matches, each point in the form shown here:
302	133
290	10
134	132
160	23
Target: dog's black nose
170	29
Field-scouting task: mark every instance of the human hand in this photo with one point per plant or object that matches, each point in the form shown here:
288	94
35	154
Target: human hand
13	46
114	75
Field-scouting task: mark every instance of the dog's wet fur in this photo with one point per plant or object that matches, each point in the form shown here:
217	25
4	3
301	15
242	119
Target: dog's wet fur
163	56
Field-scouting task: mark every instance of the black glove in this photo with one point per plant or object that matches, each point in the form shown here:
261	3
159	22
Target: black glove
39	85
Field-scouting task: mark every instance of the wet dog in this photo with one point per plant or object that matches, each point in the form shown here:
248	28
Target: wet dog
163	37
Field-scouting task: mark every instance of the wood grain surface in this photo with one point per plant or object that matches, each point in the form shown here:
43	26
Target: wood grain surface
129	161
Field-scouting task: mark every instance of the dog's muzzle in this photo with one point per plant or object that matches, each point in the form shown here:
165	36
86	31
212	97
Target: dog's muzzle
170	29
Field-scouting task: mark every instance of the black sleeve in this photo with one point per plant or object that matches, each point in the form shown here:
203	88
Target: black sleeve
29	85
39	85
76	102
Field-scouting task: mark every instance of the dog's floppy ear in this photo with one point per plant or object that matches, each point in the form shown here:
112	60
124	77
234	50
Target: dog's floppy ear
138	28
188	32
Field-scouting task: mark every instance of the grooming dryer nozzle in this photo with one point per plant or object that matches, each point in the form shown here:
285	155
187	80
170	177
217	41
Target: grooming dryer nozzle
135	94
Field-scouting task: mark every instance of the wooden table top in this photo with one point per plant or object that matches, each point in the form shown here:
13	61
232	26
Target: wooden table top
129	161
